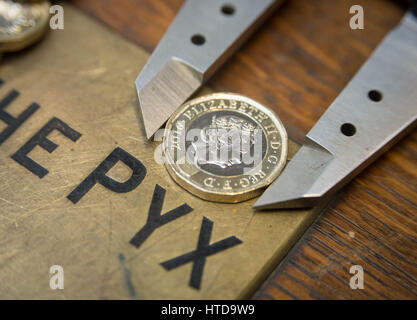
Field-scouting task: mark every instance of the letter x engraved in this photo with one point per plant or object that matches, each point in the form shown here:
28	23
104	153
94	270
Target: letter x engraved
198	256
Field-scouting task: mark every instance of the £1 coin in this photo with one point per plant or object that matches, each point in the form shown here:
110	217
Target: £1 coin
224	147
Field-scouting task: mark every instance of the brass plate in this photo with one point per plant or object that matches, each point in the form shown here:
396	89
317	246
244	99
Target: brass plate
86	80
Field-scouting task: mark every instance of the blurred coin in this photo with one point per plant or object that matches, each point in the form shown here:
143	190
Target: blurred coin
22	24
224	147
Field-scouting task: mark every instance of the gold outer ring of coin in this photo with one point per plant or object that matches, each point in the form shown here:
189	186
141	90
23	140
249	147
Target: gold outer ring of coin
238	193
23	36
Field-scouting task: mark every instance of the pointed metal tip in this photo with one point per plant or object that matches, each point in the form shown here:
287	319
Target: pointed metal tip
162	94
296	186
149	135
300	202
152	121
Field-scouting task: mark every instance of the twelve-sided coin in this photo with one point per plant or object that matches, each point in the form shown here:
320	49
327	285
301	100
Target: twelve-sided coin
224	147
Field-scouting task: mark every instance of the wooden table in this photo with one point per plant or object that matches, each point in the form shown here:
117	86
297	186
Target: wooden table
297	63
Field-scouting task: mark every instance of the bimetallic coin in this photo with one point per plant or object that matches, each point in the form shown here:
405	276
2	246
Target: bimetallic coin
22	24
224	147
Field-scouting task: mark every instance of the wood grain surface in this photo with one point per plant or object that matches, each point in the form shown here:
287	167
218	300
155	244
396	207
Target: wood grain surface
297	63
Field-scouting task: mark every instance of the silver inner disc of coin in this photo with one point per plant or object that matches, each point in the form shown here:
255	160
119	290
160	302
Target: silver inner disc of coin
226	140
